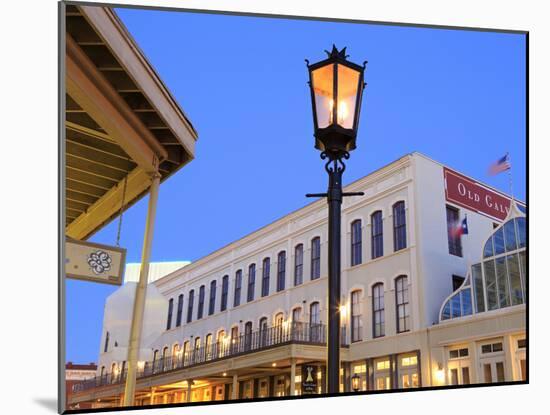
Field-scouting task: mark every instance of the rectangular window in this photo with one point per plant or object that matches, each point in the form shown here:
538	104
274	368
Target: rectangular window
377	240
522	344
491	348
225	291
356	317
212	302
298	264
190	306
251	282
315	258
356	243
399	226
491	284
180	310
454	239
201	302
238	284
170	309
378	310
266	267
457	353
281	271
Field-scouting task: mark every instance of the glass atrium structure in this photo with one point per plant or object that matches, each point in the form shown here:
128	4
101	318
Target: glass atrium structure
499	280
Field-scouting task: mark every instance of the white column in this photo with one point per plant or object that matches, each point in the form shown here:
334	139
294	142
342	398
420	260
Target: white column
292	377
141	291
235	388
189	391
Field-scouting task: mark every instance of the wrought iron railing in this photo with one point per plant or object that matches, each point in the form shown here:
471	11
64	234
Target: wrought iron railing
294	332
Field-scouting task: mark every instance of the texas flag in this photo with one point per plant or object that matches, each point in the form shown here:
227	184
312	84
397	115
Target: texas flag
461	228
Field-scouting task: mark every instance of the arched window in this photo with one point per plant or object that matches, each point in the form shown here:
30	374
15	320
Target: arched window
234	339
220	343
298	264
165	357
212	303
356	317
248	336
356	242
106	346
113	372
402	304
315	258
314	313
180	310
197	350
399	226
251	282
281	270
208	346
377	237
238	285
201	302
263	331
315	334
190	305
175	355
170	310
378	317
225	291
266	266
186	352
296	314
278	325
102	371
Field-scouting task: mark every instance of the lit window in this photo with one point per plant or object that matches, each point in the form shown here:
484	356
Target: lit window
383	365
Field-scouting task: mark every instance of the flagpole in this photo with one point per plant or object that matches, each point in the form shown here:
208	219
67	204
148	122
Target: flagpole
510	175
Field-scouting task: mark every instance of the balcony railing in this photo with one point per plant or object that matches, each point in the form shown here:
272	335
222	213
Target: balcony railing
294	332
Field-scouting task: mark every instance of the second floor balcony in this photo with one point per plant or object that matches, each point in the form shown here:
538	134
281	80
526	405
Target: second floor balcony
261	339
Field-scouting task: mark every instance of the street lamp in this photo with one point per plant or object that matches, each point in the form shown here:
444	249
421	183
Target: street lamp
355	379
336	86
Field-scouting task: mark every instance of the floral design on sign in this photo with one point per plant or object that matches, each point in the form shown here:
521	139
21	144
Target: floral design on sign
99	262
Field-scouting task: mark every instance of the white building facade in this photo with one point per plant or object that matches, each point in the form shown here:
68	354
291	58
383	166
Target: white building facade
244	321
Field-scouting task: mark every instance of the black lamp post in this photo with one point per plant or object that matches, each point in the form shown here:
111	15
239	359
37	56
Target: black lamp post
336	90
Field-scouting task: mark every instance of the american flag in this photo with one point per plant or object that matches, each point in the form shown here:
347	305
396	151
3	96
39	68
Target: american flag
502	164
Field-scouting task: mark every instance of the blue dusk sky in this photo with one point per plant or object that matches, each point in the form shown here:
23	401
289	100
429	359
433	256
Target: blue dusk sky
456	96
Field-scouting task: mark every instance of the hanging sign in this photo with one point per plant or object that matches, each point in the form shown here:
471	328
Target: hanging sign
94	262
472	195
309	379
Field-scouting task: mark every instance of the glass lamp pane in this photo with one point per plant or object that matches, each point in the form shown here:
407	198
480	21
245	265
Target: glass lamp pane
323	90
348	81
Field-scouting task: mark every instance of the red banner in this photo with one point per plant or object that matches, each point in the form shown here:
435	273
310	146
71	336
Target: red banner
474	196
